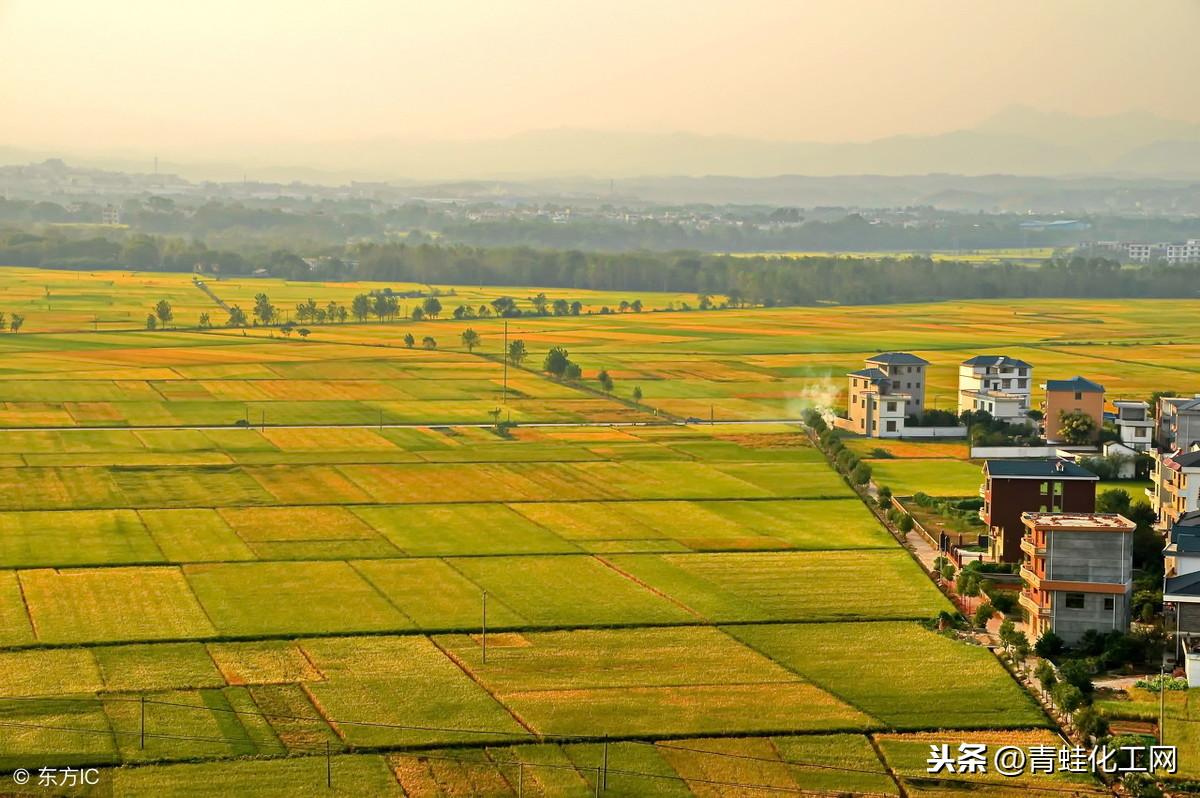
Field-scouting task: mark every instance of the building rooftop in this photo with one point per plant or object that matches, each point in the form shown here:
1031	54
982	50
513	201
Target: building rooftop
1036	469
1079	522
1186	586
1187	460
1130	403
870	374
1074	384
999	396
898	359
996	360
1185	539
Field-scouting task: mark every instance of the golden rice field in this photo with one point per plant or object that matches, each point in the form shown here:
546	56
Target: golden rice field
225	555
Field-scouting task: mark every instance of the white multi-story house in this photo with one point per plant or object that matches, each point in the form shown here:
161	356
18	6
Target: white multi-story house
997	384
1181	591
882	395
1134	423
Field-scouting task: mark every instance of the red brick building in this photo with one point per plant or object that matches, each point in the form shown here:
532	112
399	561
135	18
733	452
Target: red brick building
1013	487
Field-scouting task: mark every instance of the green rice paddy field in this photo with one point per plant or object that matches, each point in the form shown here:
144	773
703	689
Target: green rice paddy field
195	605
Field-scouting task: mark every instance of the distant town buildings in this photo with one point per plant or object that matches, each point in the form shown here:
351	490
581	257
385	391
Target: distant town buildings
996	384
1076	395
110	214
1181	590
1173	252
885	392
1078	573
1014	487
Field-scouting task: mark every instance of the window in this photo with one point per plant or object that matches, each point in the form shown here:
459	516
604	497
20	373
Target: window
891	426
1109	603
1074	601
891	406
1058	488
1045	488
1078	395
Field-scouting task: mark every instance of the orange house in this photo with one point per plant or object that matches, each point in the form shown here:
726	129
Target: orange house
1076	395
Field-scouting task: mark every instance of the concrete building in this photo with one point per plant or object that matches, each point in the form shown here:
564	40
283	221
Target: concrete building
1178	422
998	384
1135	425
1078	573
1076	395
883	394
1174	485
1181	591
1014	487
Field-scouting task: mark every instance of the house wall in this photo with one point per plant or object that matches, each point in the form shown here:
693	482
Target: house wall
1088	557
1070	624
1189	618
1060	402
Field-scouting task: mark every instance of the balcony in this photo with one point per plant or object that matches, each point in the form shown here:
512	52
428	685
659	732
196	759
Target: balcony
1031	548
1030	577
1032	606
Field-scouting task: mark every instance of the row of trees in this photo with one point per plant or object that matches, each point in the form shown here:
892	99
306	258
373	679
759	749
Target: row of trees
760	280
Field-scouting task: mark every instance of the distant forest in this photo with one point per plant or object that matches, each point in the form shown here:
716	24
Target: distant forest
758	280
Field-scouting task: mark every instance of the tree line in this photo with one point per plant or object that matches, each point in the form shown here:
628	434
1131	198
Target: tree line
759	280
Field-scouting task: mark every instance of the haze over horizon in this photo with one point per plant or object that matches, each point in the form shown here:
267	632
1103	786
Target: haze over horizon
534	88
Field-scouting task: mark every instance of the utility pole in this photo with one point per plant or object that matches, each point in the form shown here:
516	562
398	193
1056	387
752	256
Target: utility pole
142	724
605	784
505	357
328	767
483	629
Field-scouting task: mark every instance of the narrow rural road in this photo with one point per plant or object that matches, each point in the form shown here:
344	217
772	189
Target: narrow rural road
412	425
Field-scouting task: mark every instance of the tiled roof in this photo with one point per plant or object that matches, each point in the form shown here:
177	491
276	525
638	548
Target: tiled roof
996	360
1189	460
1042	469
1185	585
898	359
1074	384
870	374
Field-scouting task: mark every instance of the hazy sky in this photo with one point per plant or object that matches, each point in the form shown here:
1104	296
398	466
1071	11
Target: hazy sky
179	74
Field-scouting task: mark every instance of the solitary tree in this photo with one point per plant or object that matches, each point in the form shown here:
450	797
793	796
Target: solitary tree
204	321
470	339
573	372
151	321
516	352
409	340
539	303
163	311
15	322
561	307
556	362
1076	427
637	393
428	342
624	306
432	307
605	380
237	317
264	311
576	307
360	306
304	332
636	306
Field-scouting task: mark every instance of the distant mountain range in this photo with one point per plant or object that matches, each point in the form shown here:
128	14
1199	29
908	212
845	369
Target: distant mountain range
1018	141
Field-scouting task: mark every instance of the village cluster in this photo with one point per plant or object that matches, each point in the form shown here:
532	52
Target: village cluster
1039	508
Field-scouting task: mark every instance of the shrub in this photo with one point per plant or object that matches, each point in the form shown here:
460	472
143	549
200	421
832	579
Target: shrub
1090	722
983	614
1067	697
861	474
1045	674
1049	646
1078	673
905	523
1162	682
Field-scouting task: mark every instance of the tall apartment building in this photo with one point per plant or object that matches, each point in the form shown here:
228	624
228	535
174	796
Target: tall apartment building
1181	591
883	394
1178	422
1076	395
998	384
1135	425
1174	485
1078	573
1014	487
